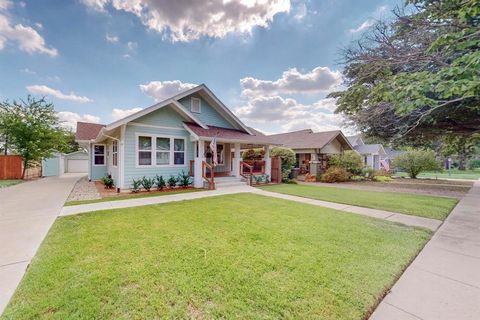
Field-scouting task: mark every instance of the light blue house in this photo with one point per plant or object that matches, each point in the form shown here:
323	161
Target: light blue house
171	137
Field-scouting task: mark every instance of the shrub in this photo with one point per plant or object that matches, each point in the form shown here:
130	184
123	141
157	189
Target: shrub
136	185
368	172
147	183
336	174
172	182
184	179
474	164
253	154
287	157
318	177
416	161
382	172
290	181
350	160
160	182
107	181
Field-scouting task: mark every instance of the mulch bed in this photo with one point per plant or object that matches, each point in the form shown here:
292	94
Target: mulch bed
104	193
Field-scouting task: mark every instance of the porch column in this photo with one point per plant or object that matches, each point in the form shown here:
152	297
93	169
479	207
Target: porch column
268	161
236	161
313	164
197	167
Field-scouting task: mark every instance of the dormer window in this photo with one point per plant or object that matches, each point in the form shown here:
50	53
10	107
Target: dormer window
196	106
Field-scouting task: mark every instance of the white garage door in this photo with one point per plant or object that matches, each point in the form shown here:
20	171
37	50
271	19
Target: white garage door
77	166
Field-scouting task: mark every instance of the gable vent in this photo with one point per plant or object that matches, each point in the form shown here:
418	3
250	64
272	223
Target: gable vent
195	107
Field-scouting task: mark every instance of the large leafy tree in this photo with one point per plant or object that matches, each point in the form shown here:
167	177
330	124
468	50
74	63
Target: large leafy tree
32	129
462	147
418	76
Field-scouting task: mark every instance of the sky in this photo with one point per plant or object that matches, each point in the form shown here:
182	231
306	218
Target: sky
272	62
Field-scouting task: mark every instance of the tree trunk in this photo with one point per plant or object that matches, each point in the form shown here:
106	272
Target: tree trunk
5	146
461	160
25	162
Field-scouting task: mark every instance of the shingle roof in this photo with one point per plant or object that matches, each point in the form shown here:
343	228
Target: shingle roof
305	139
368	148
353	139
87	131
228	134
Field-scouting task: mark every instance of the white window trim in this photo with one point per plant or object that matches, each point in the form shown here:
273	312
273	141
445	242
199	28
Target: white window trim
199	105
154	150
104	155
114	152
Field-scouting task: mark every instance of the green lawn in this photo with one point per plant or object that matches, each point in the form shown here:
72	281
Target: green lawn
241	256
418	205
8	183
455	174
130	196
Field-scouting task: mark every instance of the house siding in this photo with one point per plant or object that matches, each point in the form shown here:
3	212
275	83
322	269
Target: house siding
334	147
132	171
208	114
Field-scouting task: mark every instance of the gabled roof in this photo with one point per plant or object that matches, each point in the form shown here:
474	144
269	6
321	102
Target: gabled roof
370	148
224	134
392	153
87	131
354	140
307	139
173	101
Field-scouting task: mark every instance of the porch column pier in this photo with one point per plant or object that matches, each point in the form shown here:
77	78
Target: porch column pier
313	164
197	167
268	161
236	161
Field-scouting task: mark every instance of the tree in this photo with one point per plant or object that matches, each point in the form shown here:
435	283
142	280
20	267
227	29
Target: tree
287	157
350	160
416	77
32	128
461	146
416	161
70	144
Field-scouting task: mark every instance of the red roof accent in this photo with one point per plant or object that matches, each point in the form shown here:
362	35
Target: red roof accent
229	134
87	131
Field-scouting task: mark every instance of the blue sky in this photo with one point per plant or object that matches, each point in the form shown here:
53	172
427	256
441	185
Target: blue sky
272	62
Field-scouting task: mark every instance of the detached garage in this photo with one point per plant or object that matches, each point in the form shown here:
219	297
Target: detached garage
59	163
76	162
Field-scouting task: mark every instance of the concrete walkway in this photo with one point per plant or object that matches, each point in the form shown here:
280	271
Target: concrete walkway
27	211
431	224
443	282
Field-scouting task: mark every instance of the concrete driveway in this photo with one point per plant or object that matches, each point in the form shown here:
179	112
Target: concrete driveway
27	211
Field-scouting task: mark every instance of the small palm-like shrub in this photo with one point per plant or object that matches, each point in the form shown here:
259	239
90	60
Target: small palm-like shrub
184	180
160	182
336	174
136	184
107	181
172	182
147	183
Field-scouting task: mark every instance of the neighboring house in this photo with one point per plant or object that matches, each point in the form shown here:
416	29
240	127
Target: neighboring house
312	149
373	154
168	138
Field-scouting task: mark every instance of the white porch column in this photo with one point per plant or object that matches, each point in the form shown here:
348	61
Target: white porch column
236	160
313	164
268	161
197	168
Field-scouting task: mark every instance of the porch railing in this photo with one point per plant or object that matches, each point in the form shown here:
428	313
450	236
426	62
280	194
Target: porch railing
190	170
258	166
211	179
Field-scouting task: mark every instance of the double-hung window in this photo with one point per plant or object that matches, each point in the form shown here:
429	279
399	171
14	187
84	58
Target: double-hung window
114	153
179	151
99	155
144	151
163	151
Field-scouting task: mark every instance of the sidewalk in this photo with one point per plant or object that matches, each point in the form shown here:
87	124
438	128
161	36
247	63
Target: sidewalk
27	211
443	282
431	224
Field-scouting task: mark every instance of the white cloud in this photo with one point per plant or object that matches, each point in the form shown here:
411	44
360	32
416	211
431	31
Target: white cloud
131	45
292	82
47	91
28	71
70	119
26	38
191	19
290	115
300	12
160	90
39	25
111	39
364	26
122	113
